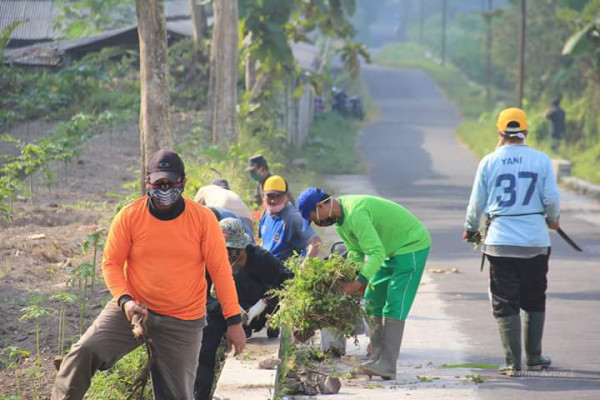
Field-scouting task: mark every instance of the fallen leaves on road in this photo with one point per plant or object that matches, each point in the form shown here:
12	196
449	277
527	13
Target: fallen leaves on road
443	271
424	378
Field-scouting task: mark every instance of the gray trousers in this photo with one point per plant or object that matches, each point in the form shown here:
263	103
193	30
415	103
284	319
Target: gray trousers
177	344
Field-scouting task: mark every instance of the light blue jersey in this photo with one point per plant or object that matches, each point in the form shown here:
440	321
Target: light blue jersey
516	186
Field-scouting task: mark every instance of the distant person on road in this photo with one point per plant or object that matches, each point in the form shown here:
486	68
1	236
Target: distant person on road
256	272
515	186
281	226
392	245
218	196
556	116
154	265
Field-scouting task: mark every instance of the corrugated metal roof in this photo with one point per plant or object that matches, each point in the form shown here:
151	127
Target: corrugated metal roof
52	54
37	14
175	9
182	27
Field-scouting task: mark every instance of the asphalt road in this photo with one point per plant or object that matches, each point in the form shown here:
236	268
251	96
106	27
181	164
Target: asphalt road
412	157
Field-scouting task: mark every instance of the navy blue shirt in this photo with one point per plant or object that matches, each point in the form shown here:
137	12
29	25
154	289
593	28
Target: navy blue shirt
224	213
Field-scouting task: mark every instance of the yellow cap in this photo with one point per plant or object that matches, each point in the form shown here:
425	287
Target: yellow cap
512	115
275	183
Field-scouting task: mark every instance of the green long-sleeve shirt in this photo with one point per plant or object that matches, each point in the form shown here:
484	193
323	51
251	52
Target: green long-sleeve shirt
379	229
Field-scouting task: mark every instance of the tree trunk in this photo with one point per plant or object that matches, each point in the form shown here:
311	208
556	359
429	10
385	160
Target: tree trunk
155	128
199	24
210	97
522	53
224	125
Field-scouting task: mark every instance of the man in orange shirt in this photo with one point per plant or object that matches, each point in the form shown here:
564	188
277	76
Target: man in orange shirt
155	256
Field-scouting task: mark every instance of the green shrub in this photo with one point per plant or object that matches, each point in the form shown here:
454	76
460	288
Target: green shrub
312	300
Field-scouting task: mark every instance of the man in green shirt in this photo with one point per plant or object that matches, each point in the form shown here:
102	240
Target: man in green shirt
392	245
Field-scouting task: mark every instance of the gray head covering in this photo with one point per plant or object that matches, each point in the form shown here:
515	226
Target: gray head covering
233	230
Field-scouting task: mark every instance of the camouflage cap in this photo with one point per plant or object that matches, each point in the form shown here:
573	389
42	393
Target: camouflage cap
233	230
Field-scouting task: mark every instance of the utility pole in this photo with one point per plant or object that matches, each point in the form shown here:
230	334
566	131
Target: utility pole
489	42
421	22
522	53
444	17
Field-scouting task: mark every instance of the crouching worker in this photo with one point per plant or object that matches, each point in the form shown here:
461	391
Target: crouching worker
163	241
256	272
395	244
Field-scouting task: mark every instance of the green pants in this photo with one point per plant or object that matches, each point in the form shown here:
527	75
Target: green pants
393	288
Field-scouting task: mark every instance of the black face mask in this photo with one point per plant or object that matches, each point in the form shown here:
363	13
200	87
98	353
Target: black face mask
329	220
326	222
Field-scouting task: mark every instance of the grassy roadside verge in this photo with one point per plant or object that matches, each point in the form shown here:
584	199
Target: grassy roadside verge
332	143
477	129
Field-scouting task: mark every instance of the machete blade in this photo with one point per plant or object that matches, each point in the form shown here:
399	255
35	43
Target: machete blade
567	239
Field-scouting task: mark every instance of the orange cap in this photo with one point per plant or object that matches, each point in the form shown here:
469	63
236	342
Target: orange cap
514	115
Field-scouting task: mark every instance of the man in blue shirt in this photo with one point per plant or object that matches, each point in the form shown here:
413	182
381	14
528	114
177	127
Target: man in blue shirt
516	187
281	225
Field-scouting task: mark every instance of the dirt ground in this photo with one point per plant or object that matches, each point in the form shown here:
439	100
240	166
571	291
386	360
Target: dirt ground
42	243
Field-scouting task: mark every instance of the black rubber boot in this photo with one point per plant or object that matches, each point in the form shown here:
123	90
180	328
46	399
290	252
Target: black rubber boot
510	334
534	330
376	336
272	333
393	330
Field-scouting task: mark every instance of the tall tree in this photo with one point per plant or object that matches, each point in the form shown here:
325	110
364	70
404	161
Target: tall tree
199	24
155	128
210	96
225	44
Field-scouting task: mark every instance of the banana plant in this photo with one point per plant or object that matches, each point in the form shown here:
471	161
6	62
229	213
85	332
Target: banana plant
586	44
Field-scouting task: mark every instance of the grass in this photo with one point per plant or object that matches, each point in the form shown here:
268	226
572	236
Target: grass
427	379
477	129
374	386
331	146
115	383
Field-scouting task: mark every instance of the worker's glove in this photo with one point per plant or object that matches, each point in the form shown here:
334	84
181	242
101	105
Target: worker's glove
473	236
256	310
244	315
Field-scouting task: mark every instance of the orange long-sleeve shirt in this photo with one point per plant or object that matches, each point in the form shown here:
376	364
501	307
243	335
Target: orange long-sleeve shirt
162	263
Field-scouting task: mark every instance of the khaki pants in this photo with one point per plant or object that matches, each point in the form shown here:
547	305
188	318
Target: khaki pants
177	344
